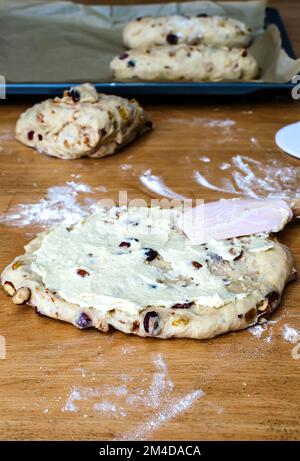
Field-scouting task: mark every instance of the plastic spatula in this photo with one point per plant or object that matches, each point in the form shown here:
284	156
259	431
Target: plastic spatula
236	217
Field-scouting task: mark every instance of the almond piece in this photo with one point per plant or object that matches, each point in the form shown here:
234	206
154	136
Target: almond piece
16	265
9	288
181	321
21	295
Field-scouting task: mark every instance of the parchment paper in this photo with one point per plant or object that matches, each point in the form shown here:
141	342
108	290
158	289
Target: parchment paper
67	42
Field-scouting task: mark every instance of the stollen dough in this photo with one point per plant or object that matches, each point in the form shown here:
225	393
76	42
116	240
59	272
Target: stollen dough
216	31
83	123
135	270
185	63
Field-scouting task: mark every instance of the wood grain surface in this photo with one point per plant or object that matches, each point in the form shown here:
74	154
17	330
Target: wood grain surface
58	382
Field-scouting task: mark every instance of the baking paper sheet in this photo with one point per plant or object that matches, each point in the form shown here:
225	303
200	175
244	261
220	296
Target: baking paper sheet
70	42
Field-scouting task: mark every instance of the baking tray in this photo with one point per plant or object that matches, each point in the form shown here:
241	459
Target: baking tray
169	88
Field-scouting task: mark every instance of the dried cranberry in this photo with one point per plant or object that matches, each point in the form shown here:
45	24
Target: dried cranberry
123	56
82	272
84	320
30	135
152	323
151	255
238	256
131	63
196	264
75	95
135	326
172	39
124	245
40	137
250	315
182	305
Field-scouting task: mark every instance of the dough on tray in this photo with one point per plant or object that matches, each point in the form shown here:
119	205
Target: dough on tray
185	63
175	29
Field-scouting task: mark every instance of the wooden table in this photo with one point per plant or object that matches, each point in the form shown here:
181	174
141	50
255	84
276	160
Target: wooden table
61	383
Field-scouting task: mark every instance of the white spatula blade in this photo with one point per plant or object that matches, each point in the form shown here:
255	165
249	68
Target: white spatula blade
234	218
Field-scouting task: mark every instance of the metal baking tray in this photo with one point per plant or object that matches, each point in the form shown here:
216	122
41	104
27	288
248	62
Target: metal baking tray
169	88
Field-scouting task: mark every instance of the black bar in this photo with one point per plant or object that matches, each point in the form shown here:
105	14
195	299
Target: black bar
137	450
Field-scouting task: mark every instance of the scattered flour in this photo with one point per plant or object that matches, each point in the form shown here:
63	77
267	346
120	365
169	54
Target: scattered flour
6	135
290	334
215	407
255	142
60	205
159	389
224	166
160	396
157	185
204	159
227	186
77	394
169	412
126	166
160	383
218	123
107	407
117	390
205	122
128	349
256	331
269	338
157	395
252	178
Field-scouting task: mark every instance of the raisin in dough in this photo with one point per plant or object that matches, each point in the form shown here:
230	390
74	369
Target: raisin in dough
82	124
175	29
136	271
184	62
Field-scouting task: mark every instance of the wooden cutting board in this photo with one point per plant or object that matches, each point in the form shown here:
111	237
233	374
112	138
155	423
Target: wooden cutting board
58	382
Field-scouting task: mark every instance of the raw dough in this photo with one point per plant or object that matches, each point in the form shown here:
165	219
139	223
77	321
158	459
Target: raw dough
216	31
184	62
82	124
136	271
